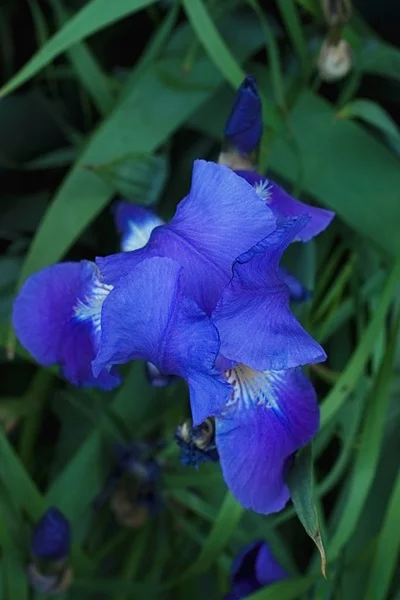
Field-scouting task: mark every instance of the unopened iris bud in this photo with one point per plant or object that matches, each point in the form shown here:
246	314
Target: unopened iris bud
51	537
335	60
197	444
49	572
336	12
243	128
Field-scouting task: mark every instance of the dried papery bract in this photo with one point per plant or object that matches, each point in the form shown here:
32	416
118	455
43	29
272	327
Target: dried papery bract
335	60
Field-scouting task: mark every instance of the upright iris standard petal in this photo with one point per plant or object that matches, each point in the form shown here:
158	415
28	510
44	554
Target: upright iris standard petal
135	223
221	218
56	317
254	567
148	317
244	126
253	316
284	206
269	417
51	538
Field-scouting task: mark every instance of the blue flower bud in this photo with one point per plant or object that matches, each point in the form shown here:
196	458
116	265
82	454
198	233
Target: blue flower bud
51	538
197	444
244	126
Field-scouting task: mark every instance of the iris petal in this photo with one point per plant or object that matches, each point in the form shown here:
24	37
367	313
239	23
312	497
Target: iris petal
56	317
135	223
269	416
284	206
256	566
221	218
148	317
253	316
268	570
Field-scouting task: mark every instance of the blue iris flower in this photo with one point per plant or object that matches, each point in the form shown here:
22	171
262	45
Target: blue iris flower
203	300
253	569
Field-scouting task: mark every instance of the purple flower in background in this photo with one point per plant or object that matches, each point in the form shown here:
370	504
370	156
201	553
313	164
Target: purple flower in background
51	538
298	292
135	223
133	485
57	318
253	569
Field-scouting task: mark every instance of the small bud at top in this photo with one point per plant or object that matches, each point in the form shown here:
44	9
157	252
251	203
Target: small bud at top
244	126
51	538
336	12
335	60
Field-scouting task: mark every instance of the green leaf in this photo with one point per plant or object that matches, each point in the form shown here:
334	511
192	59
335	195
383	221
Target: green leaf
274	61
301	484
295	31
141	122
16	585
86	66
284	590
94	16
224	527
334	154
16	479
373	114
387	550
138	177
355	367
380	58
366	462
212	41
86	472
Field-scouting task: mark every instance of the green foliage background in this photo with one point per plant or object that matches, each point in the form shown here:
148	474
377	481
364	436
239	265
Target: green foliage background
91	89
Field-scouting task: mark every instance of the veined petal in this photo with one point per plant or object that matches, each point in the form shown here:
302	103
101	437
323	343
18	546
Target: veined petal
284	206
269	417
56	317
147	316
253	316
135	223
221	218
